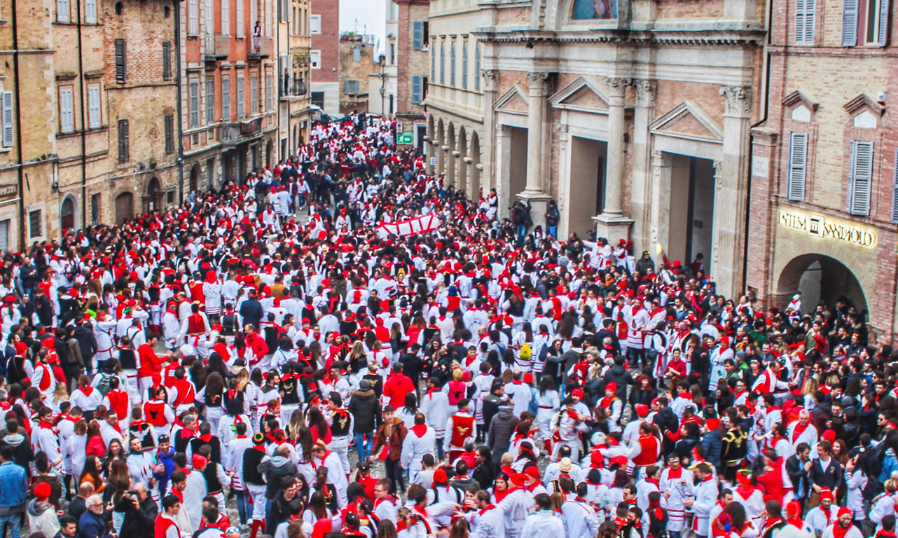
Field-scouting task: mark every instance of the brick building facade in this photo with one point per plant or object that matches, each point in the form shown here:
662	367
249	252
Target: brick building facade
294	67
412	66
824	201
357	64
325	55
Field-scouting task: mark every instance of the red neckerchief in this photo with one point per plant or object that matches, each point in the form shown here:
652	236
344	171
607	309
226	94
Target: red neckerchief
502	494
674	473
487	508
606	401
87	390
420	429
839	532
798	523
260	448
770	523
46	426
745	491
205	438
799	429
653	481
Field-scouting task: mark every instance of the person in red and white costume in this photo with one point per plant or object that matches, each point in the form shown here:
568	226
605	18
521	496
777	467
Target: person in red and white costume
86	397
750	497
644	453
157	412
459	428
119	401
823	515
768	382
166	523
336	473
195	330
802	431
843	527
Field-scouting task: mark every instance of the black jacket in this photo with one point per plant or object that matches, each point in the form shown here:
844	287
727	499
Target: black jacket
797	474
621	376
138	523
484	474
365	411
86	341
831	477
252	313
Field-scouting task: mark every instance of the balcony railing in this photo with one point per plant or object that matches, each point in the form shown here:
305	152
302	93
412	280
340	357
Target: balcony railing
294	87
217	47
260	48
235	133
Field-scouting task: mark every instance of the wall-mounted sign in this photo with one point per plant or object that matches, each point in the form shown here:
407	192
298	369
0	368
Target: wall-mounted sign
9	190
405	138
828	228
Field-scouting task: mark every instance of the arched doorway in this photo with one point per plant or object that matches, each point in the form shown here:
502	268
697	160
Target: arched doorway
441	155
475	167
67	214
450	155
462	160
269	154
819	278
153	199
124	207
195	178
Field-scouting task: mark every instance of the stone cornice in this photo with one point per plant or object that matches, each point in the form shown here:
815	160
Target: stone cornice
726	38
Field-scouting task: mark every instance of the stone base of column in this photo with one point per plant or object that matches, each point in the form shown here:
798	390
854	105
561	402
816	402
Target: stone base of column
539	204
612	227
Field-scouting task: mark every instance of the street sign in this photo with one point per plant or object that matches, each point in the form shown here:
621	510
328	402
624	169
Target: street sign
433	161
398	126
405	138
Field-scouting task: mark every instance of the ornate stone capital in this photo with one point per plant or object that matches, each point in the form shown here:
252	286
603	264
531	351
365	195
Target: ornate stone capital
738	100
617	87
490	78
660	159
539	83
645	92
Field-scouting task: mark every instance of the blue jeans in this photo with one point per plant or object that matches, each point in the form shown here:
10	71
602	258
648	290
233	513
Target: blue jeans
363	449
242	505
14	522
440	448
520	231
552	230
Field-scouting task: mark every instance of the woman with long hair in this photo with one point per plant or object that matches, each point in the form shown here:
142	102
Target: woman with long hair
317	509
114	452
501	487
407	413
94	443
459	529
91	473
548	403
318	427
77	447
211	396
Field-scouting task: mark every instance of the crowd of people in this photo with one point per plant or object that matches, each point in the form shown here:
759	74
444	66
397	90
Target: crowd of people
486	378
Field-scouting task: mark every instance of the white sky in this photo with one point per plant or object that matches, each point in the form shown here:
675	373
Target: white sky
364	17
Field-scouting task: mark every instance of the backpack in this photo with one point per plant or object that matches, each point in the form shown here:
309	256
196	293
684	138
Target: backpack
103	385
543	353
526	353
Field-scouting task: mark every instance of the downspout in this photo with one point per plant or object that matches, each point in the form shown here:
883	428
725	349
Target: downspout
177	10
751	145
19	153
84	200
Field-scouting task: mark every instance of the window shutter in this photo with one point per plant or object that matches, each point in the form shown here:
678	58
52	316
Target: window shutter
883	23
93	100
356	55
123	141
861	177
90	11
849	23
193	17
810	21
418	35
799	22
65	110
7	117
798	159
210	100
225	17
416	89
62	10
464	66
209	16
166	60
120	66
169	133
476	67
895	190
240	32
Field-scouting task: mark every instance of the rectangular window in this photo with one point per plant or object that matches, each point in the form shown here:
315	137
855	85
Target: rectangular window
870	22
464	65
209	17
442	63
392	54
226	17
62	11
120	67
239	21
284	11
269	92
315	24
253	14
805	13
433	62
425	30
35	223
194	104
253	94
315	59
418	35
356	55
318	99
225	98
210	100
860	177
193	17
66	119
798	164
476	68
416	89
7	119
241	107
90	11
452	63
166	60
351	87
169	133
95	208
895	191
124	142
95	119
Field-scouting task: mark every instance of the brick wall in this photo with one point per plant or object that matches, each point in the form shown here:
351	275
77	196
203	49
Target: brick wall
410	62
328	42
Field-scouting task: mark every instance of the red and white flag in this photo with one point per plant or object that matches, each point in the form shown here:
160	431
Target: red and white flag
405	228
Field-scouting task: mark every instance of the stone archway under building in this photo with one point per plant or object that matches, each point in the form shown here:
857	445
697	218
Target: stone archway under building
817	278
124	207
462	181
68	214
474	177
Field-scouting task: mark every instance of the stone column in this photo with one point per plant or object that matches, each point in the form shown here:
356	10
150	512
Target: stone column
730	195
488	158
642	187
502	169
534	192
660	201
444	164
612	224
467	162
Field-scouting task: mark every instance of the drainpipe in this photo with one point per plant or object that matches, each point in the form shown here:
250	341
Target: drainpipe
18	142
177	9
751	145
84	200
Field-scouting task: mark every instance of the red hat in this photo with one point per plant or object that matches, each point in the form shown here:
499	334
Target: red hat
829	435
620	460
845	510
578	393
825	494
42	490
533	471
528	378
439	476
199	461
712	424
611	386
642	410
793	508
519	479
596	459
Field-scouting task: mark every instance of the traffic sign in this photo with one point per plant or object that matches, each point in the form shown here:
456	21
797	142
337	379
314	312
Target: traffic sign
405	138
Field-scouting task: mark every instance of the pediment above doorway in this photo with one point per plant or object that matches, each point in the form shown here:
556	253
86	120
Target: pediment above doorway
581	95
687	120
513	101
